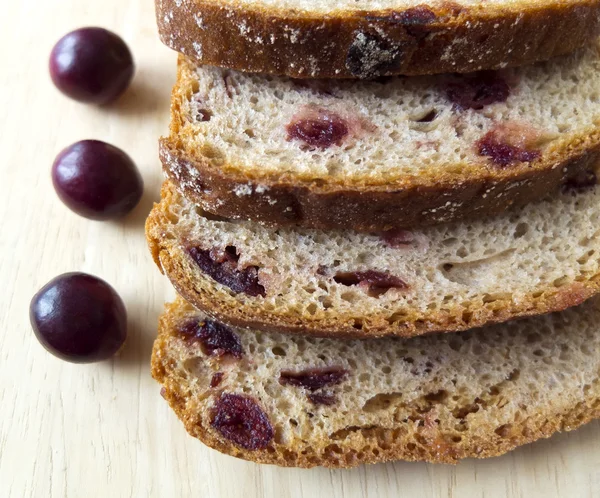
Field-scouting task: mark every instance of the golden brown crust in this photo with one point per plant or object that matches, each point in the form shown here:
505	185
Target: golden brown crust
469	190
446	38
397	443
428	201
206	295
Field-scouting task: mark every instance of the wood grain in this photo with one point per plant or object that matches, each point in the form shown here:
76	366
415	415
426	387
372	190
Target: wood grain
103	430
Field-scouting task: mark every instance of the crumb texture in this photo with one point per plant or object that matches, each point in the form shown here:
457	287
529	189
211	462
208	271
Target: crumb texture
542	258
438	398
398	131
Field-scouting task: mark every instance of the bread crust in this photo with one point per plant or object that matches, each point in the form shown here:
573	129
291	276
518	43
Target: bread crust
350	451
220	303
278	201
365	44
461	191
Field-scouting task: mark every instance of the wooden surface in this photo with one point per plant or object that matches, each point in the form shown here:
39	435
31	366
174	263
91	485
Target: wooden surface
103	430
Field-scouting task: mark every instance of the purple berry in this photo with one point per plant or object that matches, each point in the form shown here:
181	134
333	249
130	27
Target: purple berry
79	318
97	180
91	65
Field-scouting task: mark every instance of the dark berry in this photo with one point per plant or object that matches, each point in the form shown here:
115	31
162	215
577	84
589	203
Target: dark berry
215	338
321	399
504	154
217	378
415	20
79	318
91	65
223	268
477	91
414	16
377	282
242	421
320	129
398	238
313	378
97	180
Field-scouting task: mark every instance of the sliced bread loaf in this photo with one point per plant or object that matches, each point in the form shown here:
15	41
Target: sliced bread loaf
403	152
367	38
542	258
301	401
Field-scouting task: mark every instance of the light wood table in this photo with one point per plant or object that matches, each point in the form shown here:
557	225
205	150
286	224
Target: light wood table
103	430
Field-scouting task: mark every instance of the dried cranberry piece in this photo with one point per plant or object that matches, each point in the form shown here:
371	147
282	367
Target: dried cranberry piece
583	180
241	420
215	338
163	392
475	92
318	128
398	238
415	19
420	14
313	378
502	153
223	268
377	282
321	399
216	379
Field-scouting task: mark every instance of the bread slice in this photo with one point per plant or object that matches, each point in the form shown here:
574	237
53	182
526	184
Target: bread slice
369	38
545	257
403	152
301	401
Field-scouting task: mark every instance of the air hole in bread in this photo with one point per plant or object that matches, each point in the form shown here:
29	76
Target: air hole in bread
311	308
520	230
436	397
560	282
211	152
349	297
449	241
195	366
279	351
172	217
468	271
462	412
203	115
326	302
210	216
455	344
504	430
399	316
586	257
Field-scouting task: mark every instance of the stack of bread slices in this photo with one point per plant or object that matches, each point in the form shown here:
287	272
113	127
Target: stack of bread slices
344	177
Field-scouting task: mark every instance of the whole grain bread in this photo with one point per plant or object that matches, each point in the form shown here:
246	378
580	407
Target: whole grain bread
404	152
302	401
544	257
367	38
